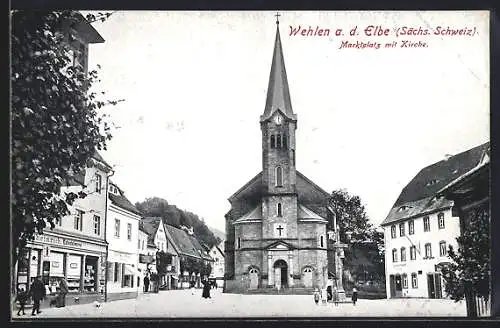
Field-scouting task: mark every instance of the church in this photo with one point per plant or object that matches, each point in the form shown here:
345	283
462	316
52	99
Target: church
276	229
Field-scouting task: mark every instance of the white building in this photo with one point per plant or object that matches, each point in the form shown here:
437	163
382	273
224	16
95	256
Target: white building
143	258
157	241
217	253
420	228
122	232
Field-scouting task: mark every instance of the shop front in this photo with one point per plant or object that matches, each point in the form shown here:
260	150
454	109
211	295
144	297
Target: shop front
55	256
123	273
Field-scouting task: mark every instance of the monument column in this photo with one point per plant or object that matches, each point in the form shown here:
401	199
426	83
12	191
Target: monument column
270	274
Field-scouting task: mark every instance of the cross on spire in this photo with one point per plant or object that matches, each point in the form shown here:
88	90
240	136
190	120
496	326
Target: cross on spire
277	15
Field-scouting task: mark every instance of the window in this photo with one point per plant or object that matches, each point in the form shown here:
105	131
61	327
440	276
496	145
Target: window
279	176
403	254
413	253
393	231
394	255
401	229
414	280
428	251
129	231
427	226
117	272
441	220
138	244
239	242
442	248
411	227
280	214
117	228
321	241
278	141
97	225
285	145
273	143
98	183
78	220
143	244
405	281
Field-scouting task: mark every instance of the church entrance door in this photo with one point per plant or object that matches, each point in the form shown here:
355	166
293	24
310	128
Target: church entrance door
308	276
280	274
254	278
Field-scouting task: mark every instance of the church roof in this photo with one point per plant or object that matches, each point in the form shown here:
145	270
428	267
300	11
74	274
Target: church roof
419	196
278	92
304	214
253	215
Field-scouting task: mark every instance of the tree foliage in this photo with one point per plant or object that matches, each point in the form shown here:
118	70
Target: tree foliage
471	262
56	123
162	261
365	252
176	217
192	265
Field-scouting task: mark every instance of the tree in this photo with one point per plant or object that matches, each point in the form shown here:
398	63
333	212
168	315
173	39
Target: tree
56	123
162	261
471	262
366	244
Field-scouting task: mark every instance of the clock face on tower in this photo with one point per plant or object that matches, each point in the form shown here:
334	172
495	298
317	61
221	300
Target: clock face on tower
278	119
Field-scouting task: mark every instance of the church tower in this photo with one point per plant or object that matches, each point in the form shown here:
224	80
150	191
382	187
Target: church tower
278	124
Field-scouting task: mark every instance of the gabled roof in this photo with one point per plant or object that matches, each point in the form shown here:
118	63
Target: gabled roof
418	197
150	226
183	242
278	92
121	201
201	251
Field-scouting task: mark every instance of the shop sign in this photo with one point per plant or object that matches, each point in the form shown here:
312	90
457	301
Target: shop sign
63	241
145	258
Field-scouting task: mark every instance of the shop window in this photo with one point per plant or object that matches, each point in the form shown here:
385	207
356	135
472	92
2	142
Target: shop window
22	270
116	272
90	274
73	272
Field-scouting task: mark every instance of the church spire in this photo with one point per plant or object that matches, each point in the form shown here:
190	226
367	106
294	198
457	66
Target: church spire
278	93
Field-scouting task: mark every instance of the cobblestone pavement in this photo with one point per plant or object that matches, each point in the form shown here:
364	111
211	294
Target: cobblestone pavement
182	304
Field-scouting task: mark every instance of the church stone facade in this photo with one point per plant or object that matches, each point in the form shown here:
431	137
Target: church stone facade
276	228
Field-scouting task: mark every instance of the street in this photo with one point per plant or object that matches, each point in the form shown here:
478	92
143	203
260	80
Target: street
182	304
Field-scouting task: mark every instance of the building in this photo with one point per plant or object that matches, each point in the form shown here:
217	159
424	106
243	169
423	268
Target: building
76	248
188	257
217	253
420	227
122	231
206	259
157	241
276	232
470	193
144	259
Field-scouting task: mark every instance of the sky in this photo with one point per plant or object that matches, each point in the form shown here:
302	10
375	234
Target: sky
194	85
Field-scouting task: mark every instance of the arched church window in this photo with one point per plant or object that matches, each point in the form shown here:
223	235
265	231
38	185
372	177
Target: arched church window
278	141
285	145
279	176
280	213
272	141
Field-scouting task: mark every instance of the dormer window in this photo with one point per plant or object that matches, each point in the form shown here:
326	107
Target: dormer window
432	182
403	208
113	190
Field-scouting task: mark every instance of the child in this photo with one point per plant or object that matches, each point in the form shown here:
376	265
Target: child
21	297
316	296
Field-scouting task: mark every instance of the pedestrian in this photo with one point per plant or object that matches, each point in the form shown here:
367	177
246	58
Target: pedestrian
37	293
335	296
21	297
324	296
316	296
206	289
191	284
63	290
146	283
354	296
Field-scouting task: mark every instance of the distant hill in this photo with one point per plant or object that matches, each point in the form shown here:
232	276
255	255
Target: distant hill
176	217
218	233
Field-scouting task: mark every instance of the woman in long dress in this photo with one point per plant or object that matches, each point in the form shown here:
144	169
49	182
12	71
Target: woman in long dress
206	289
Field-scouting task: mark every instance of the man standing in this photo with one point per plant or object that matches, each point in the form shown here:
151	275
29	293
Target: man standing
63	290
37	293
146	283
